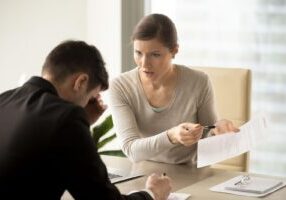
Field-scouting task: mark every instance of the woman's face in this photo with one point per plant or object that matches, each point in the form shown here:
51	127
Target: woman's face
153	59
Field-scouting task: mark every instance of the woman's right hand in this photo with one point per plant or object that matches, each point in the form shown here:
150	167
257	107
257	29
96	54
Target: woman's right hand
186	133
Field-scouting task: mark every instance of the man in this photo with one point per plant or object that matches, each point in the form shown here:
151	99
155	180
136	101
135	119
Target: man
45	143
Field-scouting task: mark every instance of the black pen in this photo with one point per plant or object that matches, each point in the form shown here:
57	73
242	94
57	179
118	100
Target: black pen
205	127
239	182
209	127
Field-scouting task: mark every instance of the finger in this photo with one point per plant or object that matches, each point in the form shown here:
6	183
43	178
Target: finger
191	139
192	131
185	132
154	175
100	102
233	127
191	135
191	126
188	135
167	179
197	133
236	130
98	96
198	136
230	126
198	130
104	106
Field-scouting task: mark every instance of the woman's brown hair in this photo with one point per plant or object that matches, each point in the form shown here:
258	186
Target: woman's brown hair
156	26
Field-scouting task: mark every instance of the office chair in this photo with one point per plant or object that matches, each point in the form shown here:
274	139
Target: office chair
232	88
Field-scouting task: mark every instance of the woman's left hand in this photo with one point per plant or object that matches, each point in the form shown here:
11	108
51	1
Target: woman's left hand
224	126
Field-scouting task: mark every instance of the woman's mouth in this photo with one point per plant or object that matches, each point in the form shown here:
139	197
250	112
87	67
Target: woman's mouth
148	73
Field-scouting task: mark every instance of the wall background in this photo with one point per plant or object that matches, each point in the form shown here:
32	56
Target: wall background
30	29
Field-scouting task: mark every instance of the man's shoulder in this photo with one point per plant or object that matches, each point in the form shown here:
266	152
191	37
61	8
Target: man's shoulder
63	108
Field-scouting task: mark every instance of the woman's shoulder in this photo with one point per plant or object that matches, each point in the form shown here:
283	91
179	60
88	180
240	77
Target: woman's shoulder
126	79
192	73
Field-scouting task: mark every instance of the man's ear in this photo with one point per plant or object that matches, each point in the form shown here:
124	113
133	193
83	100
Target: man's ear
80	82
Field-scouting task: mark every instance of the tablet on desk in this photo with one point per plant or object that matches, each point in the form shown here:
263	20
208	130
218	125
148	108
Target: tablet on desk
118	175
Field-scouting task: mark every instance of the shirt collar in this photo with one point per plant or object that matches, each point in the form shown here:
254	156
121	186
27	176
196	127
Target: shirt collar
42	83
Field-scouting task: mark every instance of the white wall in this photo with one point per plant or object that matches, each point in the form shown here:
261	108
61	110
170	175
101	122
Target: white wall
104	31
29	29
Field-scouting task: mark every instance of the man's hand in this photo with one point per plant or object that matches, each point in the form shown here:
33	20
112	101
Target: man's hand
159	185
94	109
185	133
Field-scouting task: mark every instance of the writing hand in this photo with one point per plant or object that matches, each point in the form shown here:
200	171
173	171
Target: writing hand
159	185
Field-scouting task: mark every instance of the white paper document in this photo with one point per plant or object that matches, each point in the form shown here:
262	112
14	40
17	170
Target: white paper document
178	196
218	148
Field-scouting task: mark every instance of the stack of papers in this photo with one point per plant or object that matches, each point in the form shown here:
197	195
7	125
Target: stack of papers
256	187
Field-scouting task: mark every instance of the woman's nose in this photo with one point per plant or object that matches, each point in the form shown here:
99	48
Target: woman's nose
145	62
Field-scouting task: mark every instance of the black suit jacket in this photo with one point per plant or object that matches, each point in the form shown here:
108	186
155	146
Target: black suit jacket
46	148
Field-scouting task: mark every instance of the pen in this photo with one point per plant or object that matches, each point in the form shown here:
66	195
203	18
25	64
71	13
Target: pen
239	182
205	127
209	127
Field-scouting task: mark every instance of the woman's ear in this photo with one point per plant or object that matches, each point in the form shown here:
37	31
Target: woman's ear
81	82
175	50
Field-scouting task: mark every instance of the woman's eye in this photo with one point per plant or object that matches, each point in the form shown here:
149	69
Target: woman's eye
156	54
138	53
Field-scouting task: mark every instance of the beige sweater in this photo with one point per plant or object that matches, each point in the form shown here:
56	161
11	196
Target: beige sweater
142	131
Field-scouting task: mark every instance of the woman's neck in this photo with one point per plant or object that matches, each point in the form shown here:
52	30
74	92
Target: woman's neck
167	80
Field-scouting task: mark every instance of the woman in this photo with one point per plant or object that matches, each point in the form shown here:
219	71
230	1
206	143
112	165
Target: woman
160	109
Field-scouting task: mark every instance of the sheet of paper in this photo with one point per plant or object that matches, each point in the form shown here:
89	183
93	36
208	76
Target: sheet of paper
178	196
218	148
222	188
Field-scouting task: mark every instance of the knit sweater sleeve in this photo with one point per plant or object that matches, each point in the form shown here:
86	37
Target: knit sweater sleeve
136	147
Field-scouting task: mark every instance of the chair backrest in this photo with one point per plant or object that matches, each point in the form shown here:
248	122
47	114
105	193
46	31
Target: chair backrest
232	88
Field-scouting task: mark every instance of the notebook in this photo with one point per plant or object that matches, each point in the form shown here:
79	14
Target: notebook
118	175
256	185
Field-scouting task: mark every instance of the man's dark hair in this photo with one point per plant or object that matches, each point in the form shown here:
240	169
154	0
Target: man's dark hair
71	57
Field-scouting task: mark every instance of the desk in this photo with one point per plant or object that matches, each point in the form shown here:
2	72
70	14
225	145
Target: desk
185	178
181	175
